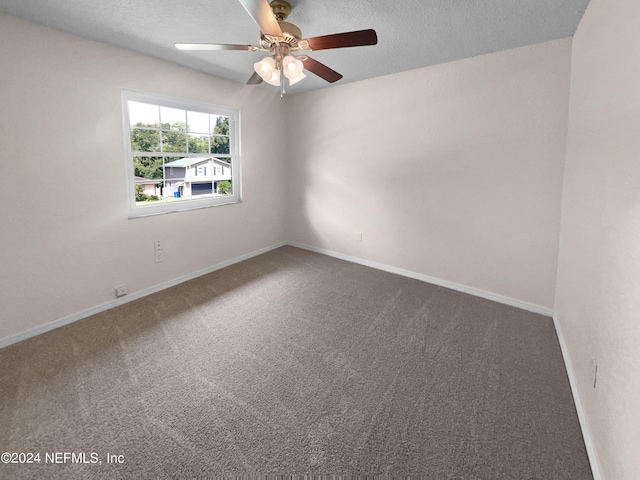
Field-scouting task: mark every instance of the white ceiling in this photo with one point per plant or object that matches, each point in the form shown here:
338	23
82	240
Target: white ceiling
411	33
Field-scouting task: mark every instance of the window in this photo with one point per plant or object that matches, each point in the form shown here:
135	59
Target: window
169	145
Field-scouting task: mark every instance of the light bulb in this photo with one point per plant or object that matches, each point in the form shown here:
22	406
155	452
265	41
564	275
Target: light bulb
265	68
273	78
292	67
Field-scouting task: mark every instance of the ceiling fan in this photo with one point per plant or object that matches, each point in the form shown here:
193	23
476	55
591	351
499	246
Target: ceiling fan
281	39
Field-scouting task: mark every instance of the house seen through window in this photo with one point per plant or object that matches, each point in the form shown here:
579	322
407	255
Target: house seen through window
180	154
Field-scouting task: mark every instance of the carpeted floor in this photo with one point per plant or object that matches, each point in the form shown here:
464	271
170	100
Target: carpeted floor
295	363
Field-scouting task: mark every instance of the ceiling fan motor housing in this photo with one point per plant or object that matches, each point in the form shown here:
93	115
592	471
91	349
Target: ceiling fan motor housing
290	30
281	9
291	34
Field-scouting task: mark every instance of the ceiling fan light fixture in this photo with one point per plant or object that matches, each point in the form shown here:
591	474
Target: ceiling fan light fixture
292	67
293	81
265	67
274	78
268	71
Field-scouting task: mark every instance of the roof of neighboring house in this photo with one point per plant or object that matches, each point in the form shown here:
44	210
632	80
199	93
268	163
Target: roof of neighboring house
185	162
142	180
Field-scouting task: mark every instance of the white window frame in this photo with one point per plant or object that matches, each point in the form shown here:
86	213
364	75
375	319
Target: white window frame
137	211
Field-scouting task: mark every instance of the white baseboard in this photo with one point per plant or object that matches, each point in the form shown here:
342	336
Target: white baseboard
4	342
582	416
547	312
18	337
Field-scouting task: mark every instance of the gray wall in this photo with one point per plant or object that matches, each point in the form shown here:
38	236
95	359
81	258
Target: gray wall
598	285
453	171
66	241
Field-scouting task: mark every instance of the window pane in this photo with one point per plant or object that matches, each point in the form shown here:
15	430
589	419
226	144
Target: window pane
220	125
148	183
198	143
149	168
143	114
222	176
174	190
198	122
143	140
175	169
224	187
219	144
173	119
174	141
201	184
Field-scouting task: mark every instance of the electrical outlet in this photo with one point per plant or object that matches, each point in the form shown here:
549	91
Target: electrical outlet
121	291
360	237
594	369
159	256
157	245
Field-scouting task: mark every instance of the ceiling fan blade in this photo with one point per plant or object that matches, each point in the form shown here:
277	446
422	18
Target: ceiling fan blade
255	79
262	14
358	38
210	46
320	69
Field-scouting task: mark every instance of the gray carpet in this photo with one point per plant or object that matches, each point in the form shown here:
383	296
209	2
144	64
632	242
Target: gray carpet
295	363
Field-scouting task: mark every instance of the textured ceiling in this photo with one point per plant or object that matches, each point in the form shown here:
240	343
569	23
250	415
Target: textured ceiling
411	33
